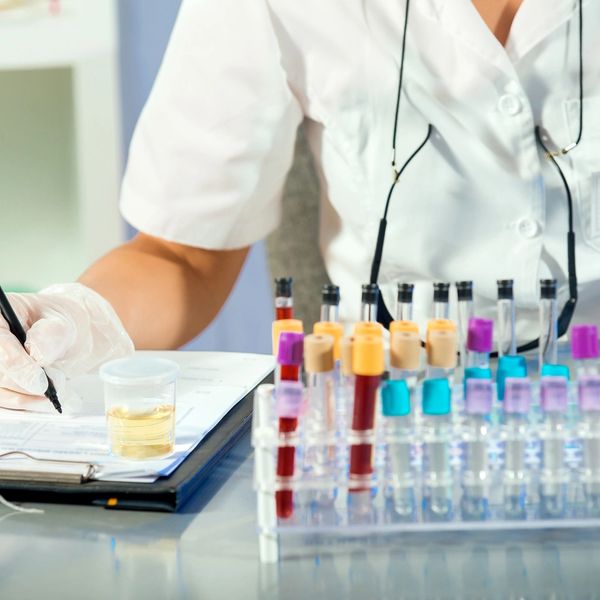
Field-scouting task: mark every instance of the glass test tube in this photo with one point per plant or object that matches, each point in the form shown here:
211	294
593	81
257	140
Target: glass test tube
441	306
399	435
289	358
320	429
369	301
464	291
517	400
553	475
507	337
330	303
548	323
584	349
589	434
404	307
347	381
368	366
284	301
441	349
476	433
437	433
479	342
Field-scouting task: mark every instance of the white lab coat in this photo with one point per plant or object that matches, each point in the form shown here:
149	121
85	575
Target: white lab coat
214	143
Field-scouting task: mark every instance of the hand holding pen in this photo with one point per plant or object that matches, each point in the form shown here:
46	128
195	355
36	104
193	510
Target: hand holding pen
16	329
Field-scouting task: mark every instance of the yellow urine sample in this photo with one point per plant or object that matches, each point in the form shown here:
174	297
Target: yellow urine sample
142	435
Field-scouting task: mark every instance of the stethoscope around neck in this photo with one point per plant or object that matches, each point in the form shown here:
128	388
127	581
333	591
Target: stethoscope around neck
564	319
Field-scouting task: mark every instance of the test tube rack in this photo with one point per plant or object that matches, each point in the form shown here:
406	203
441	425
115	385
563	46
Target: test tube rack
326	500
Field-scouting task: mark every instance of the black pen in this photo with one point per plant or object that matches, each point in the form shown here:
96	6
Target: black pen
17	330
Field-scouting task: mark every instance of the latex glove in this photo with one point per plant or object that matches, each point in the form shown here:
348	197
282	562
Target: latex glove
69	327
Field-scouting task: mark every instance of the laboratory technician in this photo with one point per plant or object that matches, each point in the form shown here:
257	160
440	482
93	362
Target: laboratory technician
215	141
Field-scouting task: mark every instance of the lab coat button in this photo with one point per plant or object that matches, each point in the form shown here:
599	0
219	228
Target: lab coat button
509	104
528	228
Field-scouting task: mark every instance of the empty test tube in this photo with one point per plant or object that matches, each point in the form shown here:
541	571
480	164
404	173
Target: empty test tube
284	301
476	434
589	434
506	334
553	474
399	433
517	400
548	323
437	433
464	291
321	410
404	308
441	349
330	303
584	349
369	302
441	307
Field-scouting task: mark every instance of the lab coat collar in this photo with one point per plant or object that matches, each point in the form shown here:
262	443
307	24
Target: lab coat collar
534	20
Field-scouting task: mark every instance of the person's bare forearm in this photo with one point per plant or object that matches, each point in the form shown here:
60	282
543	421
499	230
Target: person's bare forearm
164	293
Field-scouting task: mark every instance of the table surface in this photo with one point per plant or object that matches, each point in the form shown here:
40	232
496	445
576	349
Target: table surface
209	550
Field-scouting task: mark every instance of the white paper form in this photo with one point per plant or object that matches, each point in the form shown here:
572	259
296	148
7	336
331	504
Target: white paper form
210	384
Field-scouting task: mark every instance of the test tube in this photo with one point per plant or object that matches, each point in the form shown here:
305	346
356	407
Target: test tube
548	323
330	303
284	301
289	359
404	307
347	380
464	291
369	302
479	342
321	411
584	349
441	349
368	366
517	399
507	337
441	307
437	433
405	351
553	475
589	434
476	434
399	435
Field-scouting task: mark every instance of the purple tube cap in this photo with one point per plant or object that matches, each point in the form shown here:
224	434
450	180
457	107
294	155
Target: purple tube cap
479	396
480	334
517	395
554	394
589	392
291	348
584	342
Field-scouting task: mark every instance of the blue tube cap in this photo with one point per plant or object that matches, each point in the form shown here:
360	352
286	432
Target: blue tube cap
395	398
509	366
556	371
436	397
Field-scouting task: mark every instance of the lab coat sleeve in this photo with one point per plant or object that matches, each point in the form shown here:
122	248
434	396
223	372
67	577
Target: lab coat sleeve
215	141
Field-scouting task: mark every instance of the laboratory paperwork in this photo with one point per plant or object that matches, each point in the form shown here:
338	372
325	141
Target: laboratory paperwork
43	445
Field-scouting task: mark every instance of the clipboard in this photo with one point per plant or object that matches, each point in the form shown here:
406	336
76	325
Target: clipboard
166	494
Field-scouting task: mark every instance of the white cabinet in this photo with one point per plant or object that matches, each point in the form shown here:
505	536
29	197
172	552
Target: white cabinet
60	141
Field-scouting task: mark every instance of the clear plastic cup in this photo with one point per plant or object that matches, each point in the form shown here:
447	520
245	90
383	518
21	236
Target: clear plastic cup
139	399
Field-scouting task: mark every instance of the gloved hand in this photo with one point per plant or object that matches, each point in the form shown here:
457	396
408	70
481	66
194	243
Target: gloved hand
69	327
